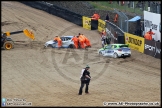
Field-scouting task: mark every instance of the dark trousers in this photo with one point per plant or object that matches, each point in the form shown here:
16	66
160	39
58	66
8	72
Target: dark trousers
82	85
104	41
108	40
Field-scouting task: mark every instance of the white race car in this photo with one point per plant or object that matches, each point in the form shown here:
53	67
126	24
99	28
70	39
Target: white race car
66	42
115	50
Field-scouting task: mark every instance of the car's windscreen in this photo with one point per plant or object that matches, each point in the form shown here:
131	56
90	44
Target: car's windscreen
108	47
68	38
123	46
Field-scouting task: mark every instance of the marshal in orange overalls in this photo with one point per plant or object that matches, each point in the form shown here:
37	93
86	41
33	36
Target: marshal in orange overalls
81	41
87	42
148	36
59	41
95	16
75	40
116	18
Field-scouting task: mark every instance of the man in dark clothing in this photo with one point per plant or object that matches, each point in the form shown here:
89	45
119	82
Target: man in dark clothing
107	17
85	79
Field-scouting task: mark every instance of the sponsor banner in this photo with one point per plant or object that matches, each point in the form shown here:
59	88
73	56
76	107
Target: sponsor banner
152	48
158	50
86	22
149	47
153	21
101	25
135	42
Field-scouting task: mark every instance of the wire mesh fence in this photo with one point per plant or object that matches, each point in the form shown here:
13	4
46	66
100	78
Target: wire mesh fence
136	7
125	8
114	33
122	20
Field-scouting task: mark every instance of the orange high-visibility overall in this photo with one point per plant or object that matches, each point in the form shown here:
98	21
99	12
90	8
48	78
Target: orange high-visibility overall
151	33
75	40
81	41
87	42
82	38
148	36
59	41
116	18
95	16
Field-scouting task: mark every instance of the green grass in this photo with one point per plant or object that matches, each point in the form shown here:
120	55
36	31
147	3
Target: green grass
104	5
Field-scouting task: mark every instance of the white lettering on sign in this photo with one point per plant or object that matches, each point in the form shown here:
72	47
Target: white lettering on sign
149	47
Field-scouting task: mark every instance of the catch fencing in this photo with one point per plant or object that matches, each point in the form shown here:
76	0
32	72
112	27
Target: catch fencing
137	7
116	34
122	20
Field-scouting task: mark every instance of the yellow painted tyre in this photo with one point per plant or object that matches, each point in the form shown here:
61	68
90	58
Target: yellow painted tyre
8	45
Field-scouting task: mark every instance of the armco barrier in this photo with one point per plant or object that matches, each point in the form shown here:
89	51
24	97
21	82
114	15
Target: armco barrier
135	42
55	10
61	12
67	15
38	5
152	48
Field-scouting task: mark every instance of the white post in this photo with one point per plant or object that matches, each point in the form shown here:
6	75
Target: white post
148	8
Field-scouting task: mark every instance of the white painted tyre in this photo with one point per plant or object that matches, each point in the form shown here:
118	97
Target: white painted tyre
115	55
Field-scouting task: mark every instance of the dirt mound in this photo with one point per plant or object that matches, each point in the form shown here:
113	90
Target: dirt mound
50	77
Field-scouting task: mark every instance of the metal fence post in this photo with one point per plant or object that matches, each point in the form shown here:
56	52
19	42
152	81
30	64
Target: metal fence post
122	19
126	21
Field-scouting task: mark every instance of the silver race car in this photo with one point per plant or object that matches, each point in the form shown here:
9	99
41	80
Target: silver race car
66	42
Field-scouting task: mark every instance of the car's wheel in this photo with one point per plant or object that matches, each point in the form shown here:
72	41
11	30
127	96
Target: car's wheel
100	53
44	47
115	55
8	45
129	55
71	46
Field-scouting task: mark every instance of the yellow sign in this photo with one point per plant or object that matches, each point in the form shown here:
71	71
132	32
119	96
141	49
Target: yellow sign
135	42
86	22
101	25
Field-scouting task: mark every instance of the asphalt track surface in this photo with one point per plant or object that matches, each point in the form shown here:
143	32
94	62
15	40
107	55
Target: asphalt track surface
50	77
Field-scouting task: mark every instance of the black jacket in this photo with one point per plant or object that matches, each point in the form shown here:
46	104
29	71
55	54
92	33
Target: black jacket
84	79
86	72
